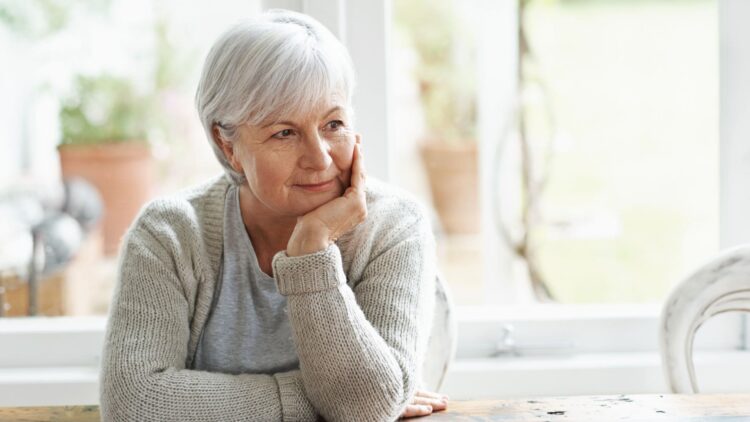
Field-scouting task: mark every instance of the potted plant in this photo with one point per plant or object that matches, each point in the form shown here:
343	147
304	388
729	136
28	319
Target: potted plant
449	153
448	97
104	127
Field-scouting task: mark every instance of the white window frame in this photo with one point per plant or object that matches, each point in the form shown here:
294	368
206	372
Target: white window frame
581	349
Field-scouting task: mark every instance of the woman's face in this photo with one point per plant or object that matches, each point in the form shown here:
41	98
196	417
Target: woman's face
296	163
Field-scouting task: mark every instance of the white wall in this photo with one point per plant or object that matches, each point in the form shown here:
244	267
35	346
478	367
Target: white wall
734	121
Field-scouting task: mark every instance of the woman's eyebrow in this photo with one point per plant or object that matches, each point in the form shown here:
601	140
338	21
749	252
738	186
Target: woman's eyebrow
277	122
290	123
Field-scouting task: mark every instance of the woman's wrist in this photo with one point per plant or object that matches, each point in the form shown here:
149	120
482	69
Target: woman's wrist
306	240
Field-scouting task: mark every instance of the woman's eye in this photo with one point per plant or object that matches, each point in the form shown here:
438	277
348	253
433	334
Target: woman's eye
335	124
283	134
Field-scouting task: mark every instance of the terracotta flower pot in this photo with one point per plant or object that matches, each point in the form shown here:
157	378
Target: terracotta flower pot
453	175
123	174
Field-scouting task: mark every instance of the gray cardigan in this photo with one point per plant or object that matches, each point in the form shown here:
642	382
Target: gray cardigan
360	312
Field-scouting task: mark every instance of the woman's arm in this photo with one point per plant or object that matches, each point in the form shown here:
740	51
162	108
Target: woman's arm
143	369
360	349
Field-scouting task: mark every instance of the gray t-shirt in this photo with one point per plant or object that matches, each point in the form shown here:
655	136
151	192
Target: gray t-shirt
248	329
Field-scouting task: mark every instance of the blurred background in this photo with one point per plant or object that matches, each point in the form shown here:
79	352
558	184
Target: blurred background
603	177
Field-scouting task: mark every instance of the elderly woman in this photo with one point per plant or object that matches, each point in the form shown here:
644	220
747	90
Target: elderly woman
289	287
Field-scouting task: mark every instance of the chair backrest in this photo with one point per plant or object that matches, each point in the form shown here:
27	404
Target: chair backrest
722	285
441	346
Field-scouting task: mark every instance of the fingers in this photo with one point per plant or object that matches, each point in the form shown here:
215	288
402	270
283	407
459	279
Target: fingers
414	410
424	403
357	205
435	403
428	398
358	169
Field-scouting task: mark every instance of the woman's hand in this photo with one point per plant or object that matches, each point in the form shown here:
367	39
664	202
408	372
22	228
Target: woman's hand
424	403
319	228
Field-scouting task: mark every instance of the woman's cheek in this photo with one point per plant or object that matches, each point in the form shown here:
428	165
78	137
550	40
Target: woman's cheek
268	174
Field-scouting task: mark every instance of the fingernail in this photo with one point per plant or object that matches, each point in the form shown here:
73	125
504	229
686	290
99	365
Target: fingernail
427	408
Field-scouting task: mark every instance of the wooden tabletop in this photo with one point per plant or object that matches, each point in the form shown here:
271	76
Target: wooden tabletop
52	413
666	407
659	407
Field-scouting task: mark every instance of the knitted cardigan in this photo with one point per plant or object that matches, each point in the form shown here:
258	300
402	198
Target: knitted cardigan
360	313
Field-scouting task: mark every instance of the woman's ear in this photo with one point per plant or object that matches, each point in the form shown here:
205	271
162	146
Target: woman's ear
226	147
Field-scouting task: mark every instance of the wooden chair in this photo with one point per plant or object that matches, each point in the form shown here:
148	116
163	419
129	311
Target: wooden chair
722	285
441	347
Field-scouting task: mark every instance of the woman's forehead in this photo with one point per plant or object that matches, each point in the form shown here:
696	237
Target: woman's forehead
317	111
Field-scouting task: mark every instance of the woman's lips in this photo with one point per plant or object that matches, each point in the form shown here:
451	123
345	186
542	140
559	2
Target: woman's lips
319	187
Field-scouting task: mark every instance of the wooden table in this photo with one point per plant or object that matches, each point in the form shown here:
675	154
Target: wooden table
52	413
667	407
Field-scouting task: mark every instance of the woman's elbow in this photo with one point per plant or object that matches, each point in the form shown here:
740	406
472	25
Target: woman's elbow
120	395
114	406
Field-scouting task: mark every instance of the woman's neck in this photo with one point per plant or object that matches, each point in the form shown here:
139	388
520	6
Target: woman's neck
268	232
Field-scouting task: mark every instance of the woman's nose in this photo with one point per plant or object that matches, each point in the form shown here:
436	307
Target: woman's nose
317	153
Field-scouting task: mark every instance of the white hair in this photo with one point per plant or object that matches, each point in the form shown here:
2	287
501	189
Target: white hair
280	62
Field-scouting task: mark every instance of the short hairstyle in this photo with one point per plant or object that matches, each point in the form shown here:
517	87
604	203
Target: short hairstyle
278	62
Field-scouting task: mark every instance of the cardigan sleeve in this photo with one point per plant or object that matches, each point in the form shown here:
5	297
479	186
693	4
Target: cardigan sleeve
143	374
361	349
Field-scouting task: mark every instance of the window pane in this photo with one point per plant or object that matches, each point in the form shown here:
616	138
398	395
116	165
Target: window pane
633	186
620	119
146	54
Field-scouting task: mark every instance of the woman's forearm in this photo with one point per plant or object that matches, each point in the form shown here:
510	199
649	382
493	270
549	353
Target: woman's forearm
358	354
350	370
179	395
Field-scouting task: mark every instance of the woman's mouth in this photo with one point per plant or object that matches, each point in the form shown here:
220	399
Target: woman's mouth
317	187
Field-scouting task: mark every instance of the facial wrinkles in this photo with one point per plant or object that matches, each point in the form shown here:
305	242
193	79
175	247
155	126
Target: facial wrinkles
311	130
333	109
311	127
259	186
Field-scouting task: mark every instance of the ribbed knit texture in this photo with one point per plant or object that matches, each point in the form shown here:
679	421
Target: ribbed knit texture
360	312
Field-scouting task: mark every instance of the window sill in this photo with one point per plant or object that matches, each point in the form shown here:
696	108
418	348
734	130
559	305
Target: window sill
51	386
601	373
585	374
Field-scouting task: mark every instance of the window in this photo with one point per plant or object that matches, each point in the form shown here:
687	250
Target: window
576	345
602	186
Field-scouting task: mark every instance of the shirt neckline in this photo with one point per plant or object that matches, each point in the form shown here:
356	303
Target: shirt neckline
233	207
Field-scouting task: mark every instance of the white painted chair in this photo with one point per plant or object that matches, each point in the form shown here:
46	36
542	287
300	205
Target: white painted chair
441	347
722	285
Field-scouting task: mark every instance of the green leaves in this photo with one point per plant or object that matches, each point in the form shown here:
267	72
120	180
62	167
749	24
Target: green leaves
104	109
